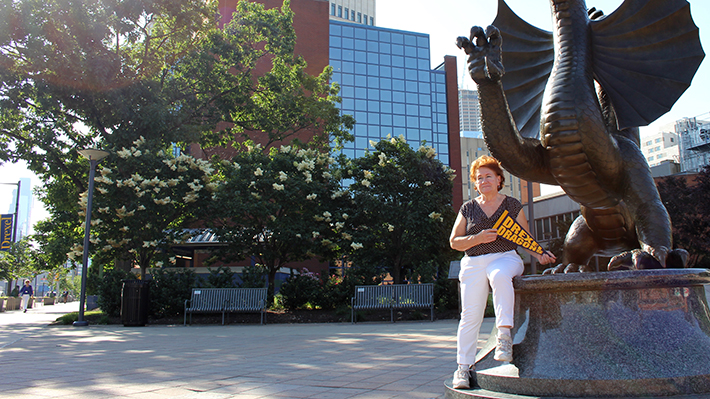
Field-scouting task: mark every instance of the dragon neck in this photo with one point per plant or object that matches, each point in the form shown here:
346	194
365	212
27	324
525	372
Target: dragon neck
571	36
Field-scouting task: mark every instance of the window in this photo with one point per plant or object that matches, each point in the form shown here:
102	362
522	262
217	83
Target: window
365	22
658	140
672	139
648	143
359	17
340	11
657	148
347	12
352	15
372	21
332	8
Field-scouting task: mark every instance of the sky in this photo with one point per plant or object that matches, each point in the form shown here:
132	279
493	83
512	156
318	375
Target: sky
444	21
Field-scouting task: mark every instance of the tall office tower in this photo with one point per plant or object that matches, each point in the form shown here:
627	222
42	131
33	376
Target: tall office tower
662	146
388	86
694	144
469	111
23	206
356	11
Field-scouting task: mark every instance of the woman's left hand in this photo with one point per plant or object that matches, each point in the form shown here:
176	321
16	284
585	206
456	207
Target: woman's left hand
546	257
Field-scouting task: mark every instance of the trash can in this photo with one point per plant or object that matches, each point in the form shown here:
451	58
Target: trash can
135	301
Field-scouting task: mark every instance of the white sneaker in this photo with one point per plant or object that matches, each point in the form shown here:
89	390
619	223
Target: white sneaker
504	348
462	377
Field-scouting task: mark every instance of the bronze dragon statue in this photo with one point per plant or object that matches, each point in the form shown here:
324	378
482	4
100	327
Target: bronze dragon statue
567	113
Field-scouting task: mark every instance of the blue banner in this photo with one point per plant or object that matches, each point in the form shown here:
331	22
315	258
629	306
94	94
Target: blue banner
5	232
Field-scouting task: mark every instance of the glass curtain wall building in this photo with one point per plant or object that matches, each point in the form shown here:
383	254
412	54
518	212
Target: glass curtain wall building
388	86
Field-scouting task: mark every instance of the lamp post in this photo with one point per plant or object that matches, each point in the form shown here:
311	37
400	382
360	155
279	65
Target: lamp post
94	156
17	209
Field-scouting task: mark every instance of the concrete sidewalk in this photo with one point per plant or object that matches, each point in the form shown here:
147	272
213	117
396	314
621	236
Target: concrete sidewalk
339	360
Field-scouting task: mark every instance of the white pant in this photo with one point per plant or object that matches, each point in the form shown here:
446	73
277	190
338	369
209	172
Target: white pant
475	274
25	301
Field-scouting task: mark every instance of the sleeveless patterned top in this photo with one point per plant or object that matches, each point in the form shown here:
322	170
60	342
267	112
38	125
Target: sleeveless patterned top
477	221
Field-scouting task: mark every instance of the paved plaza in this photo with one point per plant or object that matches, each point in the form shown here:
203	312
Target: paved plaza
335	360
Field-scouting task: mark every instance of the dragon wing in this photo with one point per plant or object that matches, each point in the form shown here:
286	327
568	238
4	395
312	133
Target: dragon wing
527	56
645	56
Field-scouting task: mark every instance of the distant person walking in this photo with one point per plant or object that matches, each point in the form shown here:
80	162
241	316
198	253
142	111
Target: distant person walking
25	292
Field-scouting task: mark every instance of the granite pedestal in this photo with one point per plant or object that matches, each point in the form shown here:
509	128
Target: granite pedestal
611	334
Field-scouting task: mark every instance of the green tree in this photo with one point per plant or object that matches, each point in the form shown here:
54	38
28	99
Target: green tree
688	208
145	198
19	261
402	214
278	207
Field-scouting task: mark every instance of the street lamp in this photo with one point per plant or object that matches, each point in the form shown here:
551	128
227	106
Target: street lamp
94	156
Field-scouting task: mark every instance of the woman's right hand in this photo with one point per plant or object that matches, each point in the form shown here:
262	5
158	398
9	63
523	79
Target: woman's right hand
486	236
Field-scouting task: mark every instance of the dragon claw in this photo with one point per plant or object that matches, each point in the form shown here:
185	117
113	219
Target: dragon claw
484	53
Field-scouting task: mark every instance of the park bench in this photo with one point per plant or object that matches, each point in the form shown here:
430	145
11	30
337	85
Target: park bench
226	300
393	296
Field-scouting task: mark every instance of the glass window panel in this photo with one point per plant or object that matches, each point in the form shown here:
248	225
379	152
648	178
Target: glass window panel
412	121
397	38
423	41
373	118
336	41
441	98
361	127
410	62
360	33
397	49
412	88
425	76
423	64
360	56
397	73
359	17
425	123
347	91
360	105
425	110
441	108
424	88
410	52
373	131
413	143
361	142
360	68
373	34
373	94
373	46
336	64
352	15
386	119
440	88
360	80
373	70
412	109
348	79
360	45
423	52
397	84
347	12
399	131
335	54
372	20
424	99
350	153
385	107
427	135
440	77
385	37
441	118
411	74
348	43
385	48
373	82
398	120
340	11
385	95
348	55
397	61
385	59
398	108
384	82
413	135
360	93
398	97
335	29
348	104
386	72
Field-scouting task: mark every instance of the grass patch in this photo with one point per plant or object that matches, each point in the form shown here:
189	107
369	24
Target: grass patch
92	316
